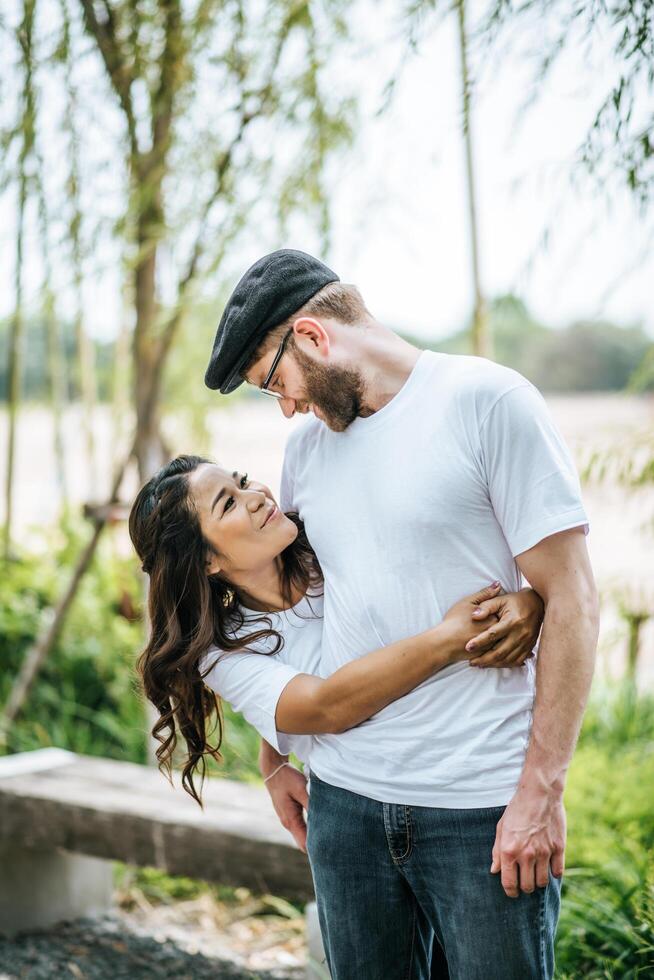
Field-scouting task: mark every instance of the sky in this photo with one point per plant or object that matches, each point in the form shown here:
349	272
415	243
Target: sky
398	204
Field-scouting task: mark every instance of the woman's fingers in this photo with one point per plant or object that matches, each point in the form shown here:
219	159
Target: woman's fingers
487	639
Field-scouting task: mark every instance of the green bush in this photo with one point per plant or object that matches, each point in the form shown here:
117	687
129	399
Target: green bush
583	356
607	919
607	914
85	697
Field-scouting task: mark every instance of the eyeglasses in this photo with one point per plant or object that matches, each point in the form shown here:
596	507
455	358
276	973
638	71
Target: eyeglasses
264	386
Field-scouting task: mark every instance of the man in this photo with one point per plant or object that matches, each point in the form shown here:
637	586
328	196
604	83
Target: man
421	476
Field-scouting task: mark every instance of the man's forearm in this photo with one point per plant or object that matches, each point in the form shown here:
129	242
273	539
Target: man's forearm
566	659
531	834
269	758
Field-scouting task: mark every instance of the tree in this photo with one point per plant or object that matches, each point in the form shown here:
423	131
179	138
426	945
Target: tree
54	342
481	336
224	108
160	52
85	372
24	135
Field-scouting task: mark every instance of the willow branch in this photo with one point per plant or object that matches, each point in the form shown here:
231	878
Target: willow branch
106	37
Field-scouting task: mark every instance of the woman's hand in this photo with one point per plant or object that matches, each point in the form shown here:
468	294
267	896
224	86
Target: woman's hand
513	632
460	624
515	621
288	792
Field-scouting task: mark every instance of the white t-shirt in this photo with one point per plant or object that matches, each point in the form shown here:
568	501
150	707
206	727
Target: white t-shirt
409	510
251	682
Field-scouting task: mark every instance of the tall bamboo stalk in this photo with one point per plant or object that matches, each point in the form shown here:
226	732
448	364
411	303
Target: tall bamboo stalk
55	359
120	388
481	338
25	36
14	366
85	351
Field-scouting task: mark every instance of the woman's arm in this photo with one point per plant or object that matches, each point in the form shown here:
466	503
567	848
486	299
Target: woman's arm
311	705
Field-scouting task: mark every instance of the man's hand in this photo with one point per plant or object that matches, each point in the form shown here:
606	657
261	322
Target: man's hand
288	792
530	835
512	635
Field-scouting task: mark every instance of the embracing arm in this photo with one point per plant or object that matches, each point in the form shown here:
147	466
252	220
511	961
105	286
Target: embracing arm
310	704
313	705
531	832
519	623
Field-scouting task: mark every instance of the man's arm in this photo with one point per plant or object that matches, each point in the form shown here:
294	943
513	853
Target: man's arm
532	831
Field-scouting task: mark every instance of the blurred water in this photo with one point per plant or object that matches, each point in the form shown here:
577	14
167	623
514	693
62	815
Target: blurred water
249	435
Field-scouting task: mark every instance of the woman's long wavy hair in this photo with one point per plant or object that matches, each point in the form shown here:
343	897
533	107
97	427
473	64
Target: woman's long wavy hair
191	610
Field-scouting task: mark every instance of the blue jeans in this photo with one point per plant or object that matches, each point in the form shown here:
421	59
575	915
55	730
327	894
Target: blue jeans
405	893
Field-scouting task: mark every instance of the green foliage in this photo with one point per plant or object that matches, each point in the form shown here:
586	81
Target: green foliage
240	749
584	356
34	382
589	356
617	718
85	697
607	914
607	920
643	377
609	800
157	886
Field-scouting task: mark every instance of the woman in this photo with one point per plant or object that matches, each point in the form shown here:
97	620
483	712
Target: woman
235	607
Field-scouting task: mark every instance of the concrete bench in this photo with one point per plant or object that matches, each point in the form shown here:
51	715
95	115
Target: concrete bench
64	817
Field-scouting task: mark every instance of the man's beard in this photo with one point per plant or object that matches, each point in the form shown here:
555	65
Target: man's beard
336	391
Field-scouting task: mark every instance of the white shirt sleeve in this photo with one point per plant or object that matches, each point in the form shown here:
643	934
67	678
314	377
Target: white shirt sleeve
533	484
252	684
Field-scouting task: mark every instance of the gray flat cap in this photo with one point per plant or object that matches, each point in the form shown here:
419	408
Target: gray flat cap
272	289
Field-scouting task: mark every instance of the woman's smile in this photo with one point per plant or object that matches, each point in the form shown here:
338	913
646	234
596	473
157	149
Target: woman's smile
273	513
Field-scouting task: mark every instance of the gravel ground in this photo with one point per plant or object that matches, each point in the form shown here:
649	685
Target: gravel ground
109	948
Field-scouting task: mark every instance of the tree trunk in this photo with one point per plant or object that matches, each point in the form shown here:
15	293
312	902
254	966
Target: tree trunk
57	388
481	338
149	444
14	366
55	359
85	353
146	344
87	386
635	623
120	388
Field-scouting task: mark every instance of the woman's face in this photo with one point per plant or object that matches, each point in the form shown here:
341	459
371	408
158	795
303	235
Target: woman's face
240	519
